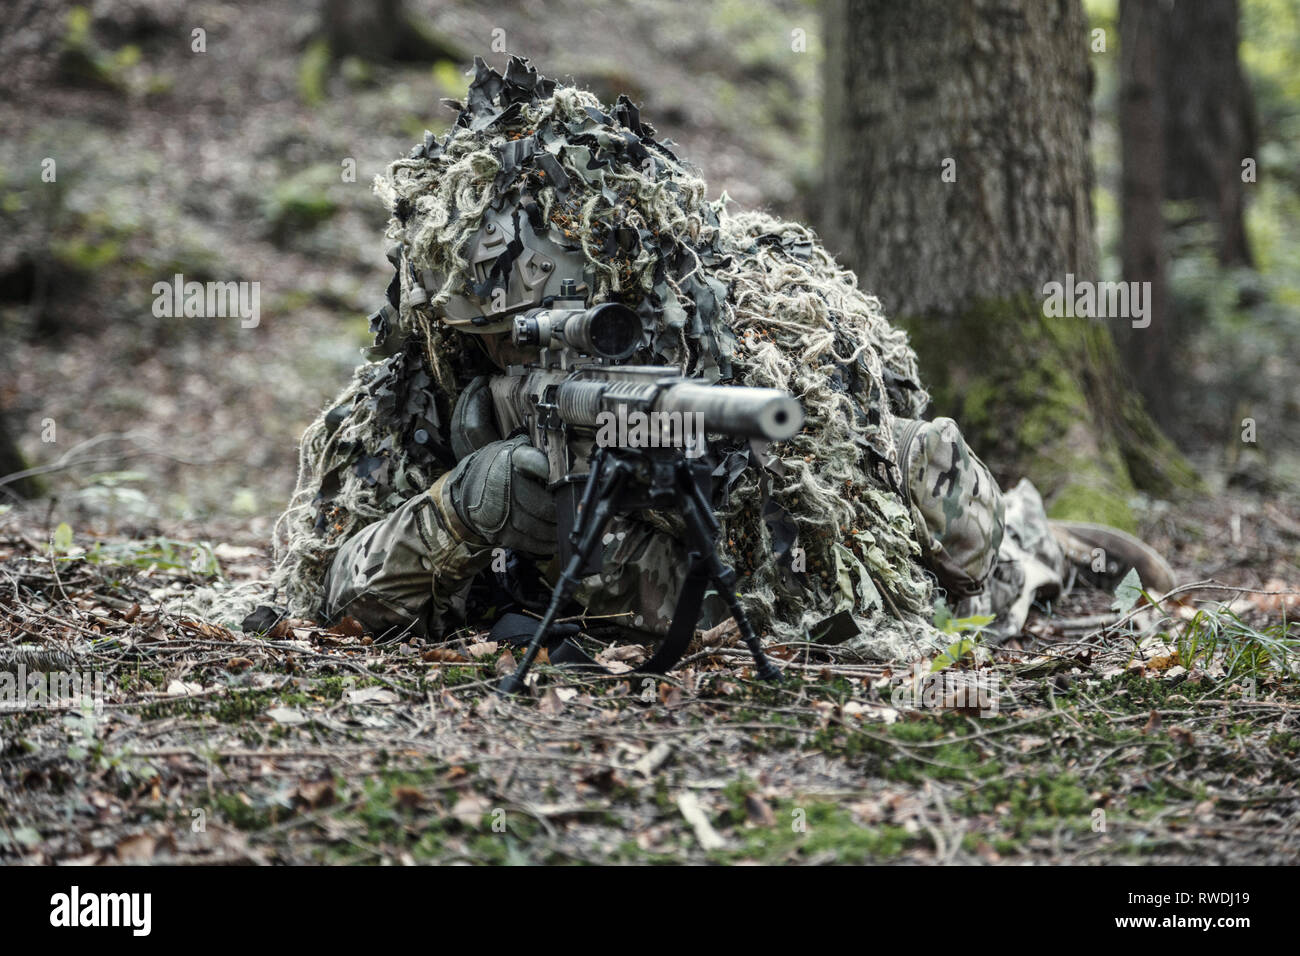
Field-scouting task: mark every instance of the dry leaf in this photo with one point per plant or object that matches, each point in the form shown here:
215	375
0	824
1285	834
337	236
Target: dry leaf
1164	662
372	695
204	629
443	655
758	812
137	848
348	627
621	652
670	695
287	716
314	794
1273	603
407	797
469	809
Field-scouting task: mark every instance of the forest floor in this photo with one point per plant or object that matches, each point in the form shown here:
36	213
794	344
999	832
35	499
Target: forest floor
167	446
1098	737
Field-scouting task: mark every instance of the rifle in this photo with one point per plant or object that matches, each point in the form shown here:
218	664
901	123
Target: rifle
576	402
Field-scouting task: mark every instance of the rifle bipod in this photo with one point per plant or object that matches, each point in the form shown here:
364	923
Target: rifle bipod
623	481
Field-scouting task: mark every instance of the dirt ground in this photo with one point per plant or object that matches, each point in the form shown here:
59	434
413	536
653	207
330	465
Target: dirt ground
1100	737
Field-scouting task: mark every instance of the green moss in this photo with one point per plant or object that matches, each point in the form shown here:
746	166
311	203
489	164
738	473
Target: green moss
301	202
818	830
1081	502
1041	400
248	814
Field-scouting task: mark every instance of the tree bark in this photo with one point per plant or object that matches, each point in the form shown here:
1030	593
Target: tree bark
383	30
996	95
1208	114
12	461
1142	188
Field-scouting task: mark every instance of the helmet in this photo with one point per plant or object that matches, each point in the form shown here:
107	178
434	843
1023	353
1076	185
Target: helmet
514	268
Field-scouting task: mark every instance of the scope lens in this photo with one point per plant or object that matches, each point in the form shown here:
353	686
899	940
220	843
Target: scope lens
610	331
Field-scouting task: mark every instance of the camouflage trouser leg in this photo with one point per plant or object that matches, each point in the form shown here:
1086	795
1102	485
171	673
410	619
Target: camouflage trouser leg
409	571
1030	564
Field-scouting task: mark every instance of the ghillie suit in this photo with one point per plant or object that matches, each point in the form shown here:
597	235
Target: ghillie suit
820	532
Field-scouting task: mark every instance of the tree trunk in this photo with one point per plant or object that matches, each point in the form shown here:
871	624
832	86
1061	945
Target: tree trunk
11	462
1208	114
383	30
957	185
1142	190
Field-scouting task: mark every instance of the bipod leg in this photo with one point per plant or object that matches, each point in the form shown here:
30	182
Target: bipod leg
592	518
702	530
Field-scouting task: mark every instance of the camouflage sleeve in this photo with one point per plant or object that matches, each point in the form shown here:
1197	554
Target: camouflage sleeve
409	571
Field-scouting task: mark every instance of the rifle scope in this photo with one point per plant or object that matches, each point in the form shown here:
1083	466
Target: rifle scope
608	331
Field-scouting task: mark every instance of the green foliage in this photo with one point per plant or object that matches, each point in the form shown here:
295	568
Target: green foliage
313	72
1128	592
963	648
83	61
1244	650
157	552
301	202
62	538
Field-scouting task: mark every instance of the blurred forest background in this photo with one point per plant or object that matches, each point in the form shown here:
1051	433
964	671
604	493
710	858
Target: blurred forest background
228	164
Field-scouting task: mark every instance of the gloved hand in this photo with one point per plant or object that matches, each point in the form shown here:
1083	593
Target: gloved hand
473	423
500	493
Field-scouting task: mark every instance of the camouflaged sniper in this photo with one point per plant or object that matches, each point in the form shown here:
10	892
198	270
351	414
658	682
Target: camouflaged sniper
535	181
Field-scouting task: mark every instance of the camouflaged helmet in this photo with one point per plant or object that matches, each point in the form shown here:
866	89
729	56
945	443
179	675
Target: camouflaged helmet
514	268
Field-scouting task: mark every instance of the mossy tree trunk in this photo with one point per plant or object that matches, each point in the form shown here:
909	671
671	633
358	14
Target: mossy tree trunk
957	185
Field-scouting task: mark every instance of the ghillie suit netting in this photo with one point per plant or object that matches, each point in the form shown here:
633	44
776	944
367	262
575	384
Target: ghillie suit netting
744	298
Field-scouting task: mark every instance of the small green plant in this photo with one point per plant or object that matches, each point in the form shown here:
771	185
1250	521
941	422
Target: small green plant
62	542
964	647
1128	592
158	552
83	726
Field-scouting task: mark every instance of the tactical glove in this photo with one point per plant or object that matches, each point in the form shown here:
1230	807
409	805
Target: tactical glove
499	492
473	425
